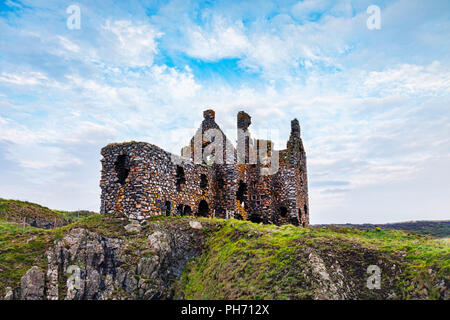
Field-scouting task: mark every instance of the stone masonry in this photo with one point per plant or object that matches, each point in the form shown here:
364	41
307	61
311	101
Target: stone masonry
210	179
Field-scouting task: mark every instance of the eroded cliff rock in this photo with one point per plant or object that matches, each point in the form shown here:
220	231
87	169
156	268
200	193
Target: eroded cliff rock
32	284
88	265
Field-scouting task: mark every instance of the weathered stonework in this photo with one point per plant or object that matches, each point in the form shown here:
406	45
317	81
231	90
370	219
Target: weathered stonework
141	180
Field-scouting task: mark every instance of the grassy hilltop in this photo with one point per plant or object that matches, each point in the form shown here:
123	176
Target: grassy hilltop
244	260
438	229
35	215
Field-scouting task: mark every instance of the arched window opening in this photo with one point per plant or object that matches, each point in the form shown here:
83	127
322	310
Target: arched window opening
167	207
203	181
255	218
180	209
122	167
181	179
187	211
283	212
203	208
305	208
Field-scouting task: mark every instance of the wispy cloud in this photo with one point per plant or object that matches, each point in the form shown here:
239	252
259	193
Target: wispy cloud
373	105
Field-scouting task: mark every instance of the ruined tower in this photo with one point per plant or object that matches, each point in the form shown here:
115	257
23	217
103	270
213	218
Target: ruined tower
212	177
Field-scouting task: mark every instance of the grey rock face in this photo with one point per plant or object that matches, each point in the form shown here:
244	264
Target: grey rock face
93	266
195	224
9	293
330	286
133	227
32	284
159	242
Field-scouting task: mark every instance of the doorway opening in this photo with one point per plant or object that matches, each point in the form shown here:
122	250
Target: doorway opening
187	211
203	208
167	206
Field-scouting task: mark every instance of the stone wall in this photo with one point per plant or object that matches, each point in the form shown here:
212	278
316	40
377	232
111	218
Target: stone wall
141	180
154	184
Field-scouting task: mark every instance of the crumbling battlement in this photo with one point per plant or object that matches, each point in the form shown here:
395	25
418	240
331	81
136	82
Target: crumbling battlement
141	180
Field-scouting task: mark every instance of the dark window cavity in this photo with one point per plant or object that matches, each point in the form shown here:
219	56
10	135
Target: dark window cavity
122	166
187	211
255	218
220	183
242	192
167	207
203	181
283	212
180	209
180	177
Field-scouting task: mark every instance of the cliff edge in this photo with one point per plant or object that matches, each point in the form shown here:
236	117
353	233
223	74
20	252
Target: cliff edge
108	257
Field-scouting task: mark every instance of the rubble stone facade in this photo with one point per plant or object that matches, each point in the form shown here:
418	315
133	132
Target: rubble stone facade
250	182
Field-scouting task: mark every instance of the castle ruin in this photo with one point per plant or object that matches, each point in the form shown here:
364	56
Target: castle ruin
211	178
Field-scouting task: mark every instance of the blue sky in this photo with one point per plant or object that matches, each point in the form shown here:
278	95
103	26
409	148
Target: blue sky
373	104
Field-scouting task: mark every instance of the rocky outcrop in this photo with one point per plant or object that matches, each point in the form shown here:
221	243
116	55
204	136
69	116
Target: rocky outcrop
32	284
9	294
334	275
92	266
327	288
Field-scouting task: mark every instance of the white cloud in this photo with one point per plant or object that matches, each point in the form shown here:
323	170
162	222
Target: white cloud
68	45
134	44
410	79
369	118
222	40
277	48
31	156
28	78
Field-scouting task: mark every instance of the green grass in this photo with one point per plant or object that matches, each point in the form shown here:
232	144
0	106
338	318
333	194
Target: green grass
439	229
243	260
249	261
19	250
17	211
